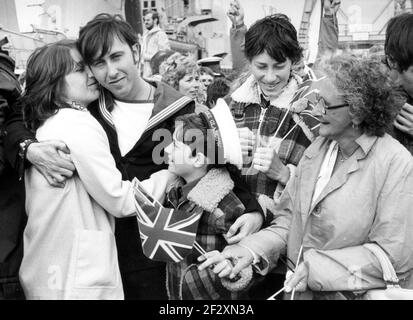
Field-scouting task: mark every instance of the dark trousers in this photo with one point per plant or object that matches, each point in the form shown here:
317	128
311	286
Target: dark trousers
10	289
265	287
148	284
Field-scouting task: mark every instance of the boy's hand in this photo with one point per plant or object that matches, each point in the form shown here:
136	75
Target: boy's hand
243	255
245	225
247	140
267	161
404	121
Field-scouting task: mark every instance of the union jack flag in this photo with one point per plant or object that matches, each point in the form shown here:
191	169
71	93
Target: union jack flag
167	235
303	103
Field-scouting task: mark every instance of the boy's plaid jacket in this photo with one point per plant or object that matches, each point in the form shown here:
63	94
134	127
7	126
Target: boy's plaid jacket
251	110
213	194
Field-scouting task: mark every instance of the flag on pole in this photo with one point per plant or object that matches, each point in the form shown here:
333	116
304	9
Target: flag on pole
167	235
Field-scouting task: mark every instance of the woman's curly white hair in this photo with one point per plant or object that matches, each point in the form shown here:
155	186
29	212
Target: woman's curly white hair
366	86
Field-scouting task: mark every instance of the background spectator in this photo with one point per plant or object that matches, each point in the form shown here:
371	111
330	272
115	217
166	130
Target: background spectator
182	73
154	40
219	88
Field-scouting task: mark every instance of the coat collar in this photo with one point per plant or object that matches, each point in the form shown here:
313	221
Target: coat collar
365	142
249	92
211	189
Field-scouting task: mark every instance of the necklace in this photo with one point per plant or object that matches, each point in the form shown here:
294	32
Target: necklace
76	105
342	157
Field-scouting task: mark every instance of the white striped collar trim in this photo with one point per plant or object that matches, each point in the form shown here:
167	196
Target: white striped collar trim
104	111
165	113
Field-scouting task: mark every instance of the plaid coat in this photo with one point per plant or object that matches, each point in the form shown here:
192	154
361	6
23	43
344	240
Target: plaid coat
212	194
265	118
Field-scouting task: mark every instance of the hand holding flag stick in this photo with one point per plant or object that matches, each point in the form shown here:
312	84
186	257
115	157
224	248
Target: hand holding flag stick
298	106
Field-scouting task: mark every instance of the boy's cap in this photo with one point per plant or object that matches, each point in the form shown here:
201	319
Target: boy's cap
227	140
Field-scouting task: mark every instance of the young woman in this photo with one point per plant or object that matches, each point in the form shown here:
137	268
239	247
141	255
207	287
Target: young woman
69	245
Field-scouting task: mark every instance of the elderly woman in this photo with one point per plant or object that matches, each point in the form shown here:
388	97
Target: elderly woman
351	188
182	73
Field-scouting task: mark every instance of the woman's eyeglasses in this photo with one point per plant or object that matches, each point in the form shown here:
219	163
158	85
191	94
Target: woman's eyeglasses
321	106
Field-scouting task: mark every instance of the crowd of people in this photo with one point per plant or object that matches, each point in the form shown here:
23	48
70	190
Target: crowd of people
305	169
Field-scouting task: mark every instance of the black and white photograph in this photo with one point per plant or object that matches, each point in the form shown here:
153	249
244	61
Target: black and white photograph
220	153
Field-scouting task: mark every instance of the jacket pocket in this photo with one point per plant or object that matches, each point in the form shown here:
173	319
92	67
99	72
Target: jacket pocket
96	264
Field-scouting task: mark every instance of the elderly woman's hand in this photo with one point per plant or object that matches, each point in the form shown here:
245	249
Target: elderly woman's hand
404	121
267	161
224	268
216	260
297	280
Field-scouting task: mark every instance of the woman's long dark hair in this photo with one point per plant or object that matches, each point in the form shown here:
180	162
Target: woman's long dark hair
46	69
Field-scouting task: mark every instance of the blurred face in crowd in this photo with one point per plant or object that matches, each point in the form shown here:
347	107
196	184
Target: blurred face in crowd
118	70
271	75
335	123
148	21
189	85
80	86
206	79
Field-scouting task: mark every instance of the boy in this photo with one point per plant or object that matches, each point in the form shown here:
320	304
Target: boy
205	188
208	186
398	48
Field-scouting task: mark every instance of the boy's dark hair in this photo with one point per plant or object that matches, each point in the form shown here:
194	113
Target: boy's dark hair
276	35
199	137
97	36
154	14
219	88
194	132
398	45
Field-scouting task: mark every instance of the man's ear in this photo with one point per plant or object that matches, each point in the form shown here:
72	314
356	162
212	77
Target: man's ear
136	53
200	160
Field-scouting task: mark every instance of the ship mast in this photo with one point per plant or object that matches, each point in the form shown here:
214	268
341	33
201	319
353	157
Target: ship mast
133	14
